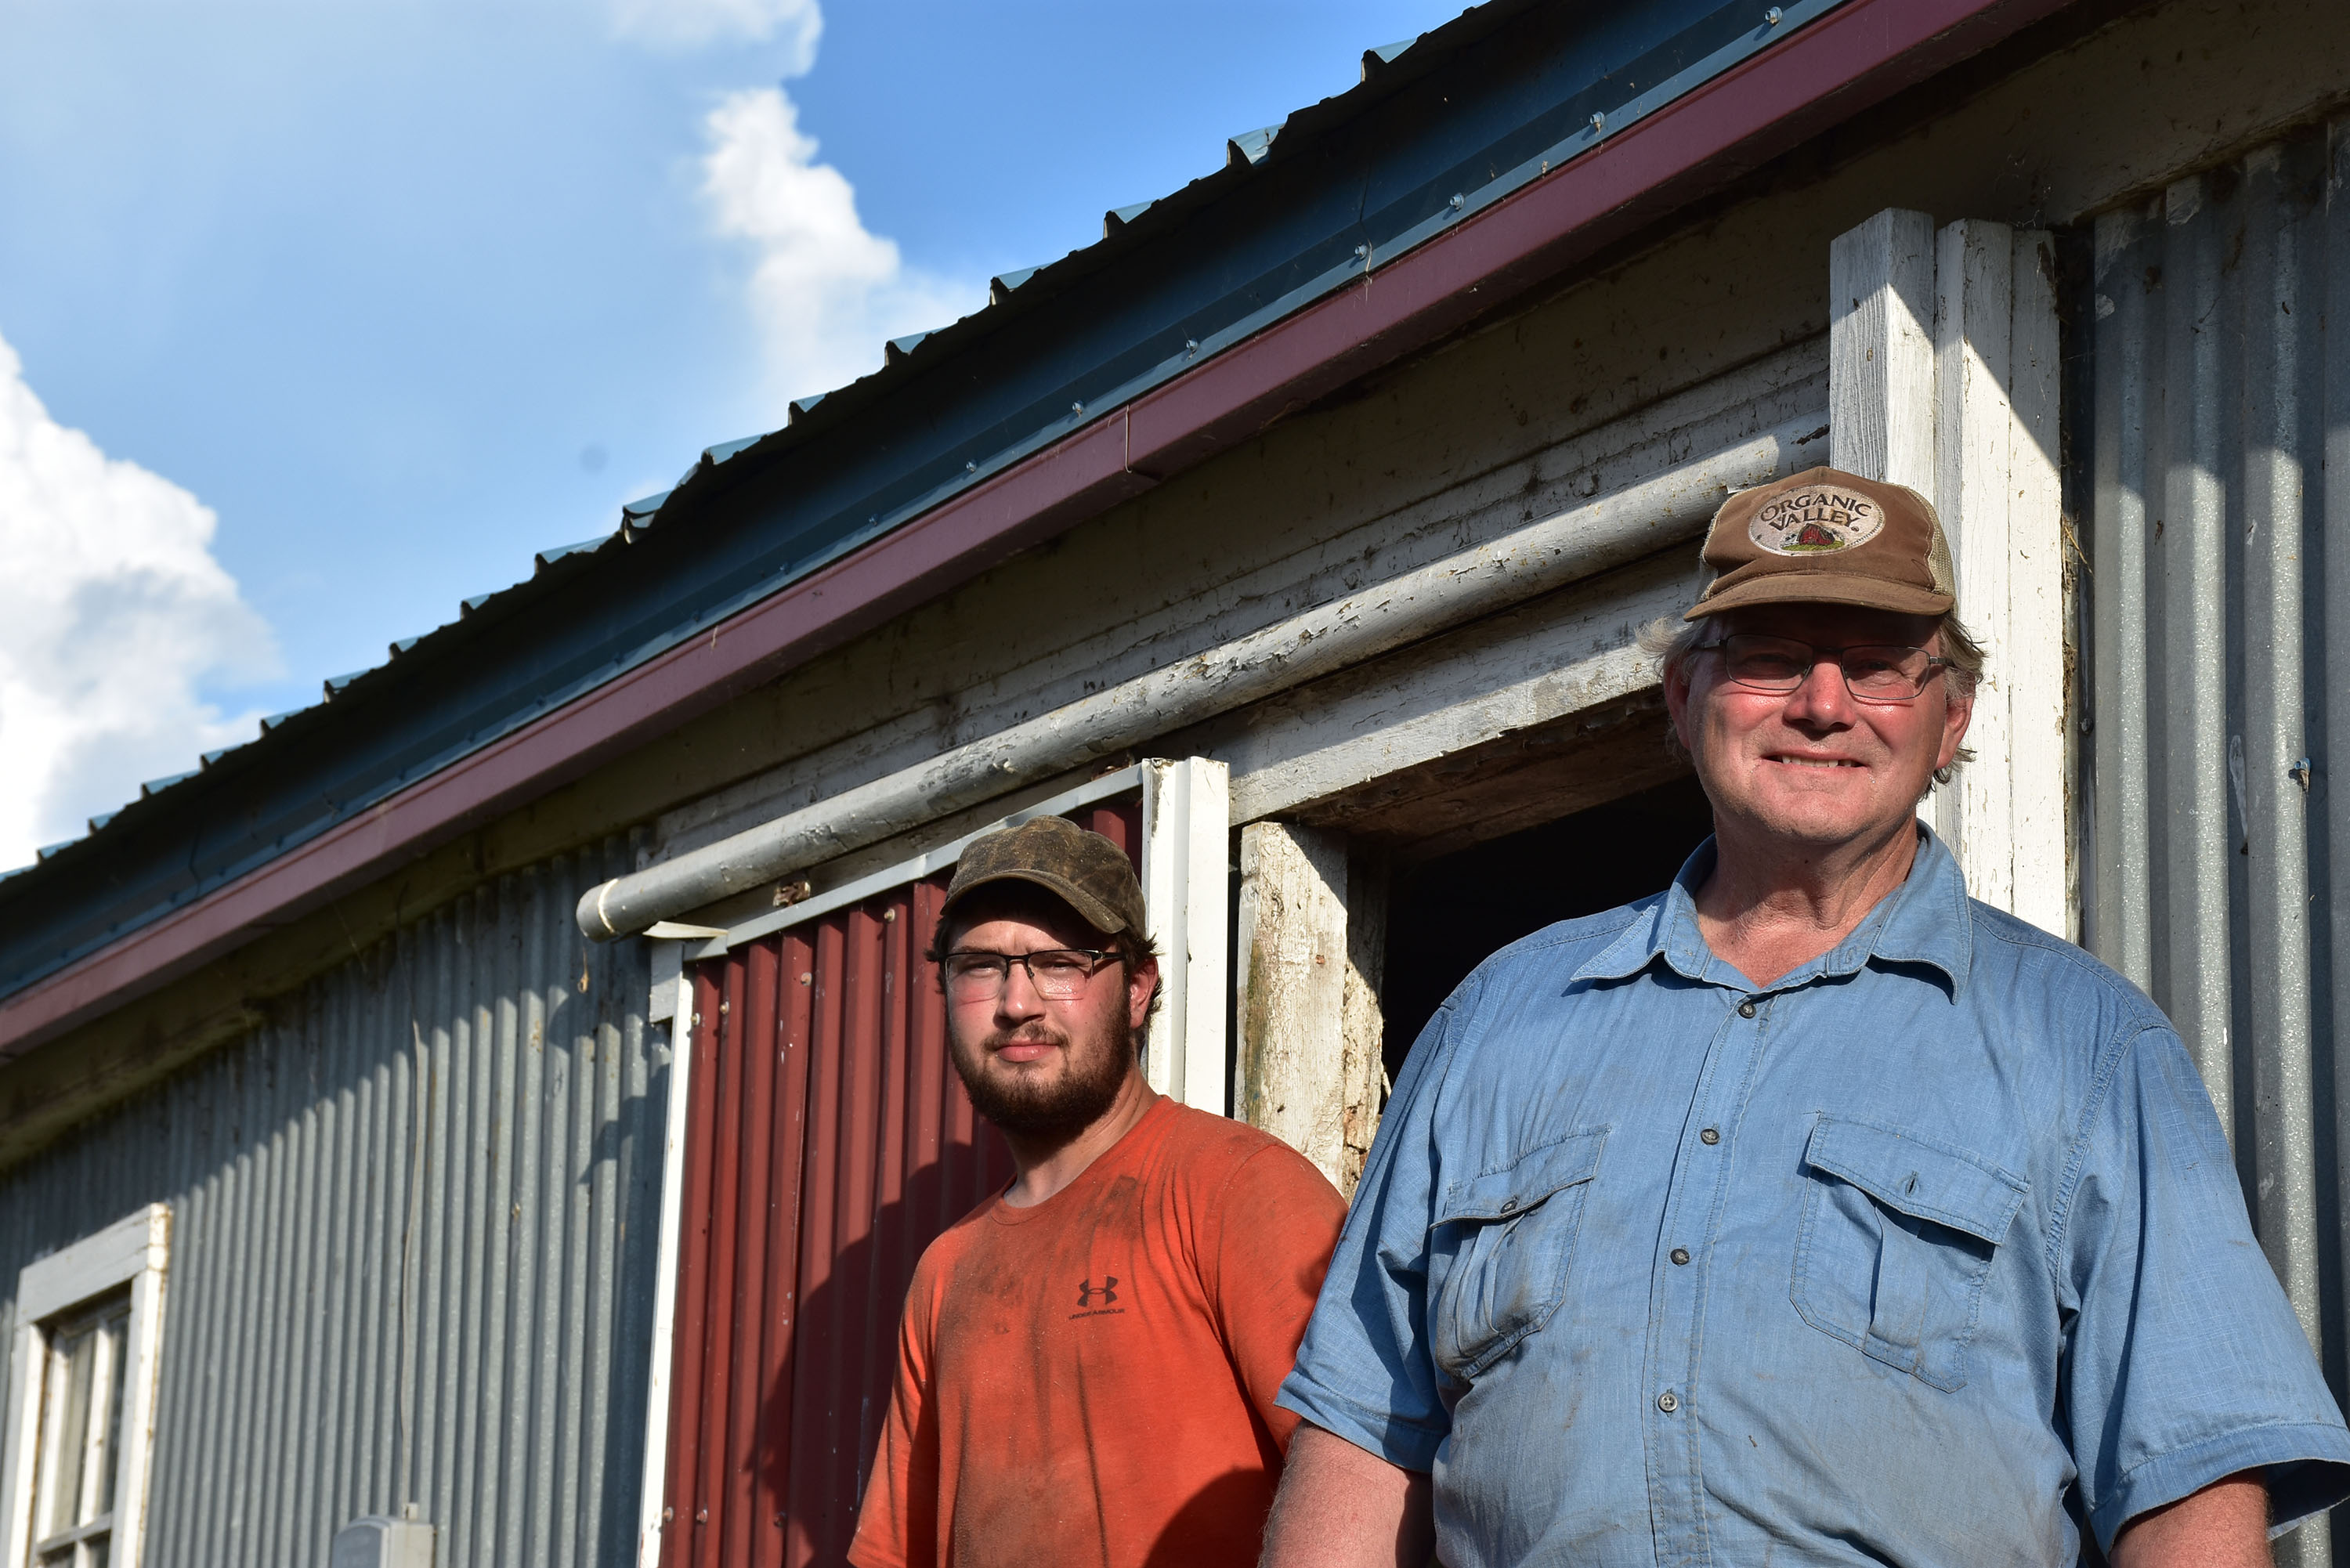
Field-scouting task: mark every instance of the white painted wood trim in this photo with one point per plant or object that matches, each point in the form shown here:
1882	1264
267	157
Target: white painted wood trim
668	973
2046	892
1514	671
145	1346
1881	349
668	957
23	1436
1974	309
134	1251
1186	830
1996	346
1967	415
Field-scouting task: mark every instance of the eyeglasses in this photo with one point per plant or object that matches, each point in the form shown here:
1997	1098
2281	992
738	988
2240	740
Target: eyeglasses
1058	973
1873	672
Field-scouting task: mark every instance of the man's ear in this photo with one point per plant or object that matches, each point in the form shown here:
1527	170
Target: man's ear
1141	985
1958	712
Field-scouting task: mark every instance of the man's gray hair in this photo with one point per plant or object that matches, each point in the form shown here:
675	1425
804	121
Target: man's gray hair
1671	642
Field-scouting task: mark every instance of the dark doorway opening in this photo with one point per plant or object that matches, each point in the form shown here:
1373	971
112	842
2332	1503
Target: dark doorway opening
1447	914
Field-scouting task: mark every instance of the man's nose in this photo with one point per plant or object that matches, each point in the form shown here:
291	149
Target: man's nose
1019	997
1823	698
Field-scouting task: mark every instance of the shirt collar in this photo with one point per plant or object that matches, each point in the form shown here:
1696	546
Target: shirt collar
1925	921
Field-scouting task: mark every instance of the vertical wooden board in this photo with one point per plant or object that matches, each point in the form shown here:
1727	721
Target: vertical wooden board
2038	689
1974	276
1207	866
1881	364
1881	349
1185	818
1293	988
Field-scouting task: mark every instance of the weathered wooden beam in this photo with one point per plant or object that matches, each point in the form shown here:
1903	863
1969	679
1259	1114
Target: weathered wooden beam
1292	988
1996	354
1881	349
1363	1087
1974	313
1942	375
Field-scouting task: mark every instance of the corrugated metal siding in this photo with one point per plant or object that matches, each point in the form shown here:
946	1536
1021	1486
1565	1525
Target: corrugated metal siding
2219	593
818	1169
413	1221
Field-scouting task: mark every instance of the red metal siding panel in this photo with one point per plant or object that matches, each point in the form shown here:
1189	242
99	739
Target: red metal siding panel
827	1142
691	1335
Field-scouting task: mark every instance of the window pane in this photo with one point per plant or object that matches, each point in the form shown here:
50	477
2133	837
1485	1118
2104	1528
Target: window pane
114	1334
65	1429
94	1553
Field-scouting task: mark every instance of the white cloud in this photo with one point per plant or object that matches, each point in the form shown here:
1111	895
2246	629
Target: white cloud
112	613
827	291
795	25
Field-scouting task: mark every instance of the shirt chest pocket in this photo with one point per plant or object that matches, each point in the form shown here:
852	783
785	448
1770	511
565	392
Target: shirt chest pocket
1512	1231
1899	1234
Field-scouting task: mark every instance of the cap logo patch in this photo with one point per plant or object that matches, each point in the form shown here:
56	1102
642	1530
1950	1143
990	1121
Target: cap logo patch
1816	521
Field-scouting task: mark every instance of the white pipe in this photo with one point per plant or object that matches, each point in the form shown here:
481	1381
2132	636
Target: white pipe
1623	527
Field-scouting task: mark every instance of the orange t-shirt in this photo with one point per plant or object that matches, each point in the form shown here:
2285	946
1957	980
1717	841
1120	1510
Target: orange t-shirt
1090	1381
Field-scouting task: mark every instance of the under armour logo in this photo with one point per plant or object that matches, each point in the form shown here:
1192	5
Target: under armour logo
1106	1291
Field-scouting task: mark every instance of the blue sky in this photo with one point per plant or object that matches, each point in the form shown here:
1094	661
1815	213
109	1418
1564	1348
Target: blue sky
354	305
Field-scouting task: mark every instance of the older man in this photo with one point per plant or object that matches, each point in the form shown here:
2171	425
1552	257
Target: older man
1807	1212
1087	1362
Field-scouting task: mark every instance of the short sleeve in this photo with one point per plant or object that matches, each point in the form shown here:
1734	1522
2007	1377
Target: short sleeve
1364	1371
2186	1363
1280	1219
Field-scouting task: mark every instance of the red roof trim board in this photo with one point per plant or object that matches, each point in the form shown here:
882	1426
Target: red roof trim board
1856	56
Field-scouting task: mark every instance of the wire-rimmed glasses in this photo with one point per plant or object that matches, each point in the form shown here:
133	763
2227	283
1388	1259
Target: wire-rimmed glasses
971	974
1873	672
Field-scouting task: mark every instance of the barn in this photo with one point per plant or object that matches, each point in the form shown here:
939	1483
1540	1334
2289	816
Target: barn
504	1101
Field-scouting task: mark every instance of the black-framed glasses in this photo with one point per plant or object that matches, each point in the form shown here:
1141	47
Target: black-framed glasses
1873	672
1058	973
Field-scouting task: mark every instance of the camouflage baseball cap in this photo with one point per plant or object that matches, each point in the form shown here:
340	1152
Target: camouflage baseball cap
1825	536
1085	870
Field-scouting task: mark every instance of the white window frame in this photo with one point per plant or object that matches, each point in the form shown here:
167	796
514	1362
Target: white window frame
133	1251
1186	856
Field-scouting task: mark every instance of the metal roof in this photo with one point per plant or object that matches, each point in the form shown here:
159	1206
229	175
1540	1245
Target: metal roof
1440	128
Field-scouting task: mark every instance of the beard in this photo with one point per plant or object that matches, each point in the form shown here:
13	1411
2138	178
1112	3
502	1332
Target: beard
1026	1105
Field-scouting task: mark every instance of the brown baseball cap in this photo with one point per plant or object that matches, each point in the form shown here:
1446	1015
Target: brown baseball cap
1085	870
1825	536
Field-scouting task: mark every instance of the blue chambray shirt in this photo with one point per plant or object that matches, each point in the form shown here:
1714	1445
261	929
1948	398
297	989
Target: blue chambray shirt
1931	1251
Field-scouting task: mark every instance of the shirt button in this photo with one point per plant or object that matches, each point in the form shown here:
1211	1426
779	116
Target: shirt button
1680	1254
1708	1136
1746	1008
1667	1403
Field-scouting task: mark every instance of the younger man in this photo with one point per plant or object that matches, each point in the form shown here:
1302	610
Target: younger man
1087	1363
